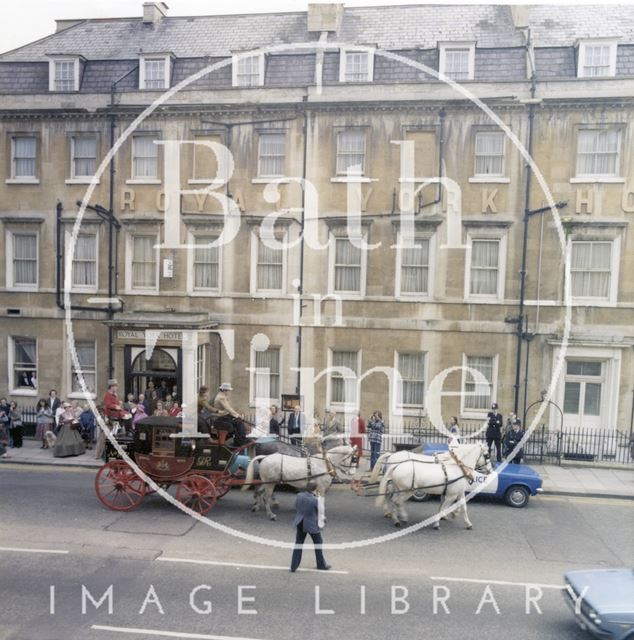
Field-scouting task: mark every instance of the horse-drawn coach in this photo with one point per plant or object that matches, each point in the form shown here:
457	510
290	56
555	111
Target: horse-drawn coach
204	466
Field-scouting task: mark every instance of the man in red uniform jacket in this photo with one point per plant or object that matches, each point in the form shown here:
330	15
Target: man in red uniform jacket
111	405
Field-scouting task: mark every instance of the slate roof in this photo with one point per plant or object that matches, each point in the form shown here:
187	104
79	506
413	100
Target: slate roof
389	27
558	26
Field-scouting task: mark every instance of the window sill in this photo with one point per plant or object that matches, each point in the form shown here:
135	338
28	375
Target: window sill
81	290
489	179
143	181
204	293
141	292
361	82
23	392
80	395
342	407
347	295
597	180
414	297
483	300
80	181
260	294
268	180
22	181
592	302
22	289
353	179
473	414
410	412
213	181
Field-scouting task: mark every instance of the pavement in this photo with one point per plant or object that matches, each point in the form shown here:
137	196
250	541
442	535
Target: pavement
566	480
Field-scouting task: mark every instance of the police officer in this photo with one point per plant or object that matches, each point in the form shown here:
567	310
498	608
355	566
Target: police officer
511	439
494	431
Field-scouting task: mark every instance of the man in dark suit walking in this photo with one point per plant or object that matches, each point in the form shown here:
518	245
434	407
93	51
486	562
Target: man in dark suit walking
309	519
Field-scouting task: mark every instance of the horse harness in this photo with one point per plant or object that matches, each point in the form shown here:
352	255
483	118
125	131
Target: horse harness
466	472
331	470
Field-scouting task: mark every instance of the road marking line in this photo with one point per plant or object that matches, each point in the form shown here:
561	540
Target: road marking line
500	582
595	500
166	634
245	566
19	550
29	466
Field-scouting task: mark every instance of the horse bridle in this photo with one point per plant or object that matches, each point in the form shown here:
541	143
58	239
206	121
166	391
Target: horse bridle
487	461
339	464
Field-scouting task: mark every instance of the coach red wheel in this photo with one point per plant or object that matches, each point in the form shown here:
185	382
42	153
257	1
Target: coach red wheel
118	487
197	492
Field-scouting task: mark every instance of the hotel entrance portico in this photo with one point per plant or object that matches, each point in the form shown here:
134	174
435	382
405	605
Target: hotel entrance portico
148	347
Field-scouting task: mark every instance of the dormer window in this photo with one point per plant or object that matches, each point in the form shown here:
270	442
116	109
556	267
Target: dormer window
63	74
356	66
154	72
457	60
248	70
596	59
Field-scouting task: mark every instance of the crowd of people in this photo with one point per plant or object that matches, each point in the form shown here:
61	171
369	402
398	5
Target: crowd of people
69	428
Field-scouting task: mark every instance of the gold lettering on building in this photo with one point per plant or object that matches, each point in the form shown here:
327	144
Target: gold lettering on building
488	201
365	198
162	201
127	199
201	198
627	201
585	199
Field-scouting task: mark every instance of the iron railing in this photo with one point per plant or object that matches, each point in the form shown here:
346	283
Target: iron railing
543	447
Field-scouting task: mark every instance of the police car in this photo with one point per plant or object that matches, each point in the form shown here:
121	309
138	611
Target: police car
515	484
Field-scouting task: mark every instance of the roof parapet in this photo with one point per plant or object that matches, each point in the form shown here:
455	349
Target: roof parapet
154	12
325	17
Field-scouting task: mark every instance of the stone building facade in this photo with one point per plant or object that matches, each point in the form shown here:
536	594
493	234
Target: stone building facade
326	99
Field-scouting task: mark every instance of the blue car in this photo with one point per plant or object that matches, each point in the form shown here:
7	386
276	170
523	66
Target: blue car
602	601
515	484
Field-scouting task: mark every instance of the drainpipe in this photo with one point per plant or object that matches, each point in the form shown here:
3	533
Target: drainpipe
520	315
527	195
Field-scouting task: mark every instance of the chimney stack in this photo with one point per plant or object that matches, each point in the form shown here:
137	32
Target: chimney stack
325	17
520	16
154	12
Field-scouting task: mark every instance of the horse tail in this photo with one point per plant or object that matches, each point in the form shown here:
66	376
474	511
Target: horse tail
376	470
248	481
387	477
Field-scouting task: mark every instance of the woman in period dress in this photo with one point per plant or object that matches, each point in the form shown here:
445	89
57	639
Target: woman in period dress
44	422
68	442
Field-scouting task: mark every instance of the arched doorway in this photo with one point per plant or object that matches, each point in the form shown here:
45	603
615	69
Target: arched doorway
161	367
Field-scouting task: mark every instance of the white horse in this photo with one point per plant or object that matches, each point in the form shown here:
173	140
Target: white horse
448	478
276	468
391	459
